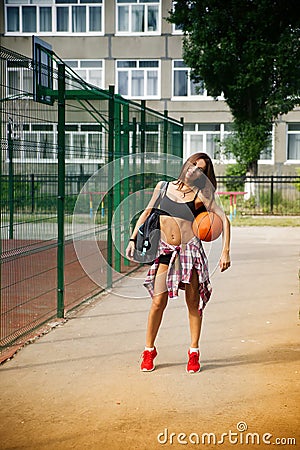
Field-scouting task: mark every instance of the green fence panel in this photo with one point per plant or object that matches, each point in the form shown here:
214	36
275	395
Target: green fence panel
69	164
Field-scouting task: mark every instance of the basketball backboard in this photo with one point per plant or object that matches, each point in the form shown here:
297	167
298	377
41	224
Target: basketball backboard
42	70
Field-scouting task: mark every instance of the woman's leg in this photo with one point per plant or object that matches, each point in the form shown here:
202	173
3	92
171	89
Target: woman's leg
159	303
192	298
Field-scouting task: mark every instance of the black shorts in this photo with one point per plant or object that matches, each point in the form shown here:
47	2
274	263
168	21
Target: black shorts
165	259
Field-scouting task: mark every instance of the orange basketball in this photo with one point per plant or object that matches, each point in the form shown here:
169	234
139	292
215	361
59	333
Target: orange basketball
207	226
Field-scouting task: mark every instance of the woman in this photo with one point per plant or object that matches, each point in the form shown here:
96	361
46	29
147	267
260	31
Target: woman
181	262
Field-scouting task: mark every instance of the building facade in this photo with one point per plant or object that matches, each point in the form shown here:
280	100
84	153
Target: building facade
130	44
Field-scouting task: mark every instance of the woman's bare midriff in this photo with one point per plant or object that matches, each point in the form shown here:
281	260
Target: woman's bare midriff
175	231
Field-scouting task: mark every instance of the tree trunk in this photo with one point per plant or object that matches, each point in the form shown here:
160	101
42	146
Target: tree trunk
253	168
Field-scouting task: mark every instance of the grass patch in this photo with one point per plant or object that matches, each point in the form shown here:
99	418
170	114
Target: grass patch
266	221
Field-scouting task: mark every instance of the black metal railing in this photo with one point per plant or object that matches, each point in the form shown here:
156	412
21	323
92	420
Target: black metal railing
260	195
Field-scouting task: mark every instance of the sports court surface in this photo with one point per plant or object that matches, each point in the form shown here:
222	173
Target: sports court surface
79	386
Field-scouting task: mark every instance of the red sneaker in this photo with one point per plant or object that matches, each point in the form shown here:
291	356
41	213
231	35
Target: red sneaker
193	365
148	360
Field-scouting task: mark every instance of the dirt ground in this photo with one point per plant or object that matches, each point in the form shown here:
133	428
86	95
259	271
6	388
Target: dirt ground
79	386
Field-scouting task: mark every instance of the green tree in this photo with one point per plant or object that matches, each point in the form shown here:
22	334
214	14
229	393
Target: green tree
249	51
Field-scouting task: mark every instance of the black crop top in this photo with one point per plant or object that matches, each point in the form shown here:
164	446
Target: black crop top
181	210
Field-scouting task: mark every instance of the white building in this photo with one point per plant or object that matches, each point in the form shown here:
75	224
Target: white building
129	44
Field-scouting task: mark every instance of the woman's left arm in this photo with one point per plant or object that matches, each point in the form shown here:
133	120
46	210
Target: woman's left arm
224	262
211	205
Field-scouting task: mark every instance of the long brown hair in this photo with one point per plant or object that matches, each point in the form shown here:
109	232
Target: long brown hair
209	171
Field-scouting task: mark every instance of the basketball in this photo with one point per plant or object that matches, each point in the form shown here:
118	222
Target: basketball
207	226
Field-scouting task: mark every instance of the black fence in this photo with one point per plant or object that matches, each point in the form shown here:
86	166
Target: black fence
260	195
251	195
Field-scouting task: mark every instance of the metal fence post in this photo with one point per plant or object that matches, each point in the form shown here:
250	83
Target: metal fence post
143	146
125	140
134	180
181	138
11	188
32	189
117	186
110	202
61	191
272	195
165	143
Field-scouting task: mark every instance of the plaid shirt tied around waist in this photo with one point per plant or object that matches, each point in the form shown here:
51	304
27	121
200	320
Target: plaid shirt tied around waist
184	258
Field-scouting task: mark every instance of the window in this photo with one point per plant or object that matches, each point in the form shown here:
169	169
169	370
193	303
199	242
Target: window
54	16
89	70
19	77
152	138
82	141
293	145
138	16
266	156
183	86
209	138
176	29
29	19
13	20
138	79
202	137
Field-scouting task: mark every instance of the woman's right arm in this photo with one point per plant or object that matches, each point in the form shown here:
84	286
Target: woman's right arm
131	246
